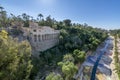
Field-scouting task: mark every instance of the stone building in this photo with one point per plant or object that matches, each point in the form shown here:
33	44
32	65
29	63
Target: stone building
43	37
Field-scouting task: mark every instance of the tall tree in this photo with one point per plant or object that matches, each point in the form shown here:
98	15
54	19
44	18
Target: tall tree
15	63
68	57
40	16
68	67
26	19
3	17
54	76
67	22
79	55
1	8
48	21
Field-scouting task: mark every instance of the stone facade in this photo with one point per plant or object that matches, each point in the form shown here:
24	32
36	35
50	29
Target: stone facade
43	37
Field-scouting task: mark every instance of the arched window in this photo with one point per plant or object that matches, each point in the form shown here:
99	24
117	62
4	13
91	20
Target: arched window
35	38
39	38
34	30
45	37
42	37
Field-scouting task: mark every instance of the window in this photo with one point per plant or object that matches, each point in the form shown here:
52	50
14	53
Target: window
34	30
42	37
39	38
35	38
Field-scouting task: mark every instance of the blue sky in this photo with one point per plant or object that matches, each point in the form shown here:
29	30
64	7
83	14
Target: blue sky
97	13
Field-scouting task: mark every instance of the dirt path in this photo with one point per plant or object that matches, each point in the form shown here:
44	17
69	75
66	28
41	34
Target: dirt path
114	75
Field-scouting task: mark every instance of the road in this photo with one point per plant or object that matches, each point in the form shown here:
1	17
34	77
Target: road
97	61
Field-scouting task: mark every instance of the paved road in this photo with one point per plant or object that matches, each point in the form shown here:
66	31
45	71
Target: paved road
97	61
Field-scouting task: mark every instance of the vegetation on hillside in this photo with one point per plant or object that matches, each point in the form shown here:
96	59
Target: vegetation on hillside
116	34
54	76
74	42
15	63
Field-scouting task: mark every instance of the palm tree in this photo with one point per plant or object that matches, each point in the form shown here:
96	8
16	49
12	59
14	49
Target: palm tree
40	16
24	16
1	8
26	19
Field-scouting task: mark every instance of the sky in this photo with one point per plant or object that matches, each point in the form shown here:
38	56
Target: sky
97	13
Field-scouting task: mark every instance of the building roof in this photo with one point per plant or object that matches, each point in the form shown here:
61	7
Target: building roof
35	29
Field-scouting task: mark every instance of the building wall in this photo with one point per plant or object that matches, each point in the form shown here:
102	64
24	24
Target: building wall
43	38
44	41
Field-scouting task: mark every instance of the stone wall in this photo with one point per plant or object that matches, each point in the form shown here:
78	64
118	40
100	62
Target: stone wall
43	42
43	37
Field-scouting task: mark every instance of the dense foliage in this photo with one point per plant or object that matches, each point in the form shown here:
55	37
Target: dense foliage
15	63
79	56
115	32
75	39
116	57
54	76
68	67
